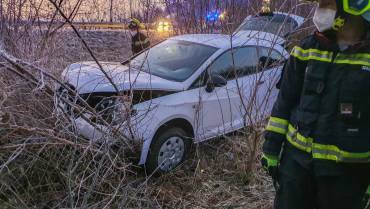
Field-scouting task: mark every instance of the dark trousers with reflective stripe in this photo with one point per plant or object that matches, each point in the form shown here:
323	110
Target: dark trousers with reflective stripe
299	188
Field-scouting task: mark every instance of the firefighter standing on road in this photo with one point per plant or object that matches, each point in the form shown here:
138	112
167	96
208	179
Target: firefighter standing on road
317	141
139	40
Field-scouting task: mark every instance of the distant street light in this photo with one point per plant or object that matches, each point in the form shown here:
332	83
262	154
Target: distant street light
164	27
266	6
223	15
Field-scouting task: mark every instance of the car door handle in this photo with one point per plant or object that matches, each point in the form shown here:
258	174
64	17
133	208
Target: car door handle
260	83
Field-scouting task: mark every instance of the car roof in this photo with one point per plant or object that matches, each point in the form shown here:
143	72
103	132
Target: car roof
299	20
279	17
222	41
214	40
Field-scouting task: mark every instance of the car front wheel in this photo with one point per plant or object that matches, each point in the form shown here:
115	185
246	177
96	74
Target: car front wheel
168	150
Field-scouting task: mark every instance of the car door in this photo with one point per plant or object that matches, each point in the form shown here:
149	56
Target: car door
222	110
215	113
259	84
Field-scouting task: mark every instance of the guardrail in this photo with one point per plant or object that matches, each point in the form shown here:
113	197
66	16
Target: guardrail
85	25
82	25
98	25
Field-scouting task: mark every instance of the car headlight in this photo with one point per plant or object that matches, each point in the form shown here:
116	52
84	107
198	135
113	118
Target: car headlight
116	110
104	108
64	100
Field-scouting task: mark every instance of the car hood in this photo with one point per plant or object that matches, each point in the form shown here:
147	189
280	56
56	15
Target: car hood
86	77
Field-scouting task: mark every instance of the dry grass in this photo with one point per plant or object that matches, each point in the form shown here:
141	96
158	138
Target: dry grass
216	178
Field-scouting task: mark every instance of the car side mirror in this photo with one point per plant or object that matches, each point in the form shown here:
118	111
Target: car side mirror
266	61
215	80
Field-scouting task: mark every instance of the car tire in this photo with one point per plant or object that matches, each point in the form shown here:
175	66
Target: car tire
168	150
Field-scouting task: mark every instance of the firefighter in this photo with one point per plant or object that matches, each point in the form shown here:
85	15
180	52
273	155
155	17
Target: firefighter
139	40
317	141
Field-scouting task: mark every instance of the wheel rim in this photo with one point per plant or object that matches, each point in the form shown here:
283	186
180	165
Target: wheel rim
171	153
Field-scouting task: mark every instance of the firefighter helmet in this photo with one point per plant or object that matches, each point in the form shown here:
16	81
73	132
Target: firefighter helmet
134	24
353	7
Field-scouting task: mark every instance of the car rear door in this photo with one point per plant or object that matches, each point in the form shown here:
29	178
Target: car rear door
259	84
251	73
255	71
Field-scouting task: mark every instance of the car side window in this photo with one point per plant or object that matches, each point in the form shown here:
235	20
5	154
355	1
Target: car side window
240	61
244	61
268	58
200	81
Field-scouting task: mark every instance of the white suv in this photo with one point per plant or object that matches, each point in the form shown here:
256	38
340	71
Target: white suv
184	90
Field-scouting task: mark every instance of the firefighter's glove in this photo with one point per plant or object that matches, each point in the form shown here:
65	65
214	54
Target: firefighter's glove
270	164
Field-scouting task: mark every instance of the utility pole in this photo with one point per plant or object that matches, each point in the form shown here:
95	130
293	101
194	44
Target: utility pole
131	8
1	18
111	11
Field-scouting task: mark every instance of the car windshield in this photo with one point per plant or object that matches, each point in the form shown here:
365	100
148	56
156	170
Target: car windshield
276	24
173	60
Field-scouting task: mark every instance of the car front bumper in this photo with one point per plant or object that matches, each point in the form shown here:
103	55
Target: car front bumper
137	131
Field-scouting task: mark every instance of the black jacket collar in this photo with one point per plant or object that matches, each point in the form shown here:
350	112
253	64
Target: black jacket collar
329	42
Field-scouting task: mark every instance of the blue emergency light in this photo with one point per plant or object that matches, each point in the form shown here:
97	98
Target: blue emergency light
213	16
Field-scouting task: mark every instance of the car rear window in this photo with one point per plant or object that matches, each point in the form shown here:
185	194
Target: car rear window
277	24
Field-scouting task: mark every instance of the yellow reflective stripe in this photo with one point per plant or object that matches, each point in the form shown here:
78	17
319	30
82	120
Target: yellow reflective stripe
326	56
353	59
359	56
299	141
275	129
311	54
280	121
277	125
331	152
324	152
299	49
353	62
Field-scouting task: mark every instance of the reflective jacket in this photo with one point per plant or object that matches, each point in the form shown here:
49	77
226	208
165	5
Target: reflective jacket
323	108
139	43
